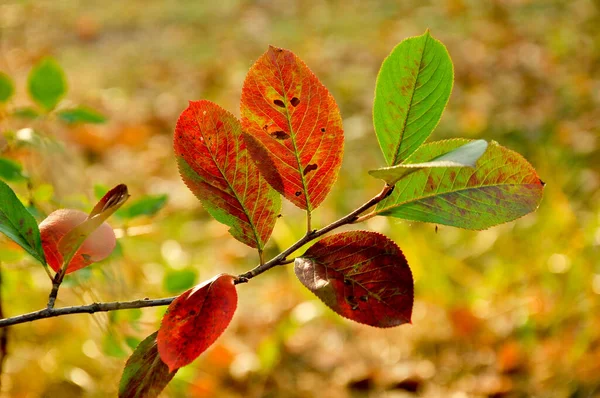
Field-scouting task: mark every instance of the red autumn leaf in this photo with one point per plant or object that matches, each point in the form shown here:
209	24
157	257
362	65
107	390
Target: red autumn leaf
293	127
145	374
98	245
361	275
216	166
195	320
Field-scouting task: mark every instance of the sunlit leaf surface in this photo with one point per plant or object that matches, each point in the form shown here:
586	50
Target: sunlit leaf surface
293	126
360	275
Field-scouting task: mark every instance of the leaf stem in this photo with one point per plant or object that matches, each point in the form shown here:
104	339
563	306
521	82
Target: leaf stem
351	217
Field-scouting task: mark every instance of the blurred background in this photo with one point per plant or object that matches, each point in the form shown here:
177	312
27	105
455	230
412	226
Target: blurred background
512	311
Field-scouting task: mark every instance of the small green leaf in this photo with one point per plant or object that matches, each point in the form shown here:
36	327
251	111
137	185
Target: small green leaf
11	170
81	115
180	280
18	224
464	156
47	83
26	113
7	87
412	90
145	206
145	374
502	187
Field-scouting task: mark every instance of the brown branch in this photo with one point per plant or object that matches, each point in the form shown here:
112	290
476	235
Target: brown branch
84	309
280	259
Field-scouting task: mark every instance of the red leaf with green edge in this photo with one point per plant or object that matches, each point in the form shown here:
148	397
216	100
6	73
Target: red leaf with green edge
363	276
195	320
502	187
215	164
145	374
293	127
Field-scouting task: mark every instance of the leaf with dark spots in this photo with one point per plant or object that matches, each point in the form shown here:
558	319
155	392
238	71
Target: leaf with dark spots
361	275
18	224
413	87
310	167
304	109
145	374
280	135
502	187
216	165
183	336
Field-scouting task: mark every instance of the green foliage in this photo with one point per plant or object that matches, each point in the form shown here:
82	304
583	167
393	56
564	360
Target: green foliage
147	205
412	89
80	115
18	224
47	84
502	187
179	280
7	87
11	170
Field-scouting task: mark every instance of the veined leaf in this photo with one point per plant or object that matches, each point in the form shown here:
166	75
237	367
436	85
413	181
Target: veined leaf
412	90
81	115
363	276
47	83
18	224
215	164
463	156
145	374
7	87
195	320
502	187
293	127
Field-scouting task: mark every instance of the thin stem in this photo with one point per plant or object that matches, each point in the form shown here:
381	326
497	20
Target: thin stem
311	235
364	217
308	221
280	259
83	309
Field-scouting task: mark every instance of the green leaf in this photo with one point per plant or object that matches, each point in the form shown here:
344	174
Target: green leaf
26	113
81	115
11	170
145	206
7	87
47	83
412	90
502	187
180	280
464	156
145	374
18	224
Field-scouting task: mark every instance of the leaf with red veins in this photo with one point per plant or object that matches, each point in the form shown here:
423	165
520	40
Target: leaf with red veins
363	276
215	164
195	320
293	127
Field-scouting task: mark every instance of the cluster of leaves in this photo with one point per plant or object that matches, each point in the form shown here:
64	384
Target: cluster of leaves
47	86
289	143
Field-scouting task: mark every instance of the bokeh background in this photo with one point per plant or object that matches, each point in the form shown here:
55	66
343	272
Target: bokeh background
512	311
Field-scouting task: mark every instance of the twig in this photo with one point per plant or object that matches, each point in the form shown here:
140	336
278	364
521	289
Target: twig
280	259
85	309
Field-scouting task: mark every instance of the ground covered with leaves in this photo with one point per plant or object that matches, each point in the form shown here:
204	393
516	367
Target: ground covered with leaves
511	311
